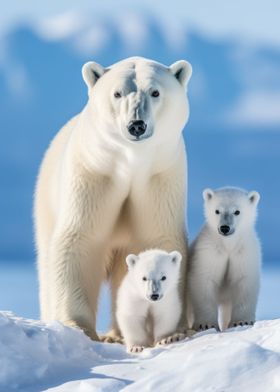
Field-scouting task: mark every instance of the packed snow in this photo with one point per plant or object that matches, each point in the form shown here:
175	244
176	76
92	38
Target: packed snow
37	357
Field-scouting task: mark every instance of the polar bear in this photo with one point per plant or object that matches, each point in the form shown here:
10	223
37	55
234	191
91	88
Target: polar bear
112	182
148	303
225	259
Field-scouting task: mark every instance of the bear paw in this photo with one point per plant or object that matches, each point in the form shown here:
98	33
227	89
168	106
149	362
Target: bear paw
112	336
176	337
74	324
111	339
205	327
135	349
241	323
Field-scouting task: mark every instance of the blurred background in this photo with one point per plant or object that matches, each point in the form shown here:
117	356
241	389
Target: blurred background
232	138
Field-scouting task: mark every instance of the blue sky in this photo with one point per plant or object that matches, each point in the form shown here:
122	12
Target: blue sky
250	20
235	91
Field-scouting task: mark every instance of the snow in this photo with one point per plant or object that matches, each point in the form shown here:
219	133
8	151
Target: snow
256	108
36	356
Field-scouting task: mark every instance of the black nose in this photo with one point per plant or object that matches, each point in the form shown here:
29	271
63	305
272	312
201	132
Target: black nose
154	297
137	128
225	229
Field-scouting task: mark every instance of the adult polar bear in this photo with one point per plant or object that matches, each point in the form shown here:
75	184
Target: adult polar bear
111	183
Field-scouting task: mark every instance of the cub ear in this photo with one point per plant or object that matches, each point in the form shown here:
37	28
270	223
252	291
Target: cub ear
207	194
131	260
91	72
182	70
176	257
254	197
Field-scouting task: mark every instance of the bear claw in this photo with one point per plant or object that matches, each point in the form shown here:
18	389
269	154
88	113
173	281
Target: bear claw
242	323
171	339
135	349
205	327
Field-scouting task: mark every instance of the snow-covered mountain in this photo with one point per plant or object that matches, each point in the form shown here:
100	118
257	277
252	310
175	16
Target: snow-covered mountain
232	137
36	357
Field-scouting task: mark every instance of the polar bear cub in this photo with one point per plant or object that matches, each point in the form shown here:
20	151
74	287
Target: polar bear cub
225	259
148	302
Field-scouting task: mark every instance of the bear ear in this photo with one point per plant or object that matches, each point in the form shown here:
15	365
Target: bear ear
182	70
254	197
176	257
91	72
207	194
131	260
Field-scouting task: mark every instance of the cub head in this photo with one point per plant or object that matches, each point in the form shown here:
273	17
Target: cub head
138	100
154	272
229	210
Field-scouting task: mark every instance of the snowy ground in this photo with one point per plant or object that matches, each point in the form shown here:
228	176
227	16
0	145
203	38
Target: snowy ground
39	357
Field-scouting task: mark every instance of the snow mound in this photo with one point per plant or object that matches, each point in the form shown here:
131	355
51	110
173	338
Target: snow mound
36	356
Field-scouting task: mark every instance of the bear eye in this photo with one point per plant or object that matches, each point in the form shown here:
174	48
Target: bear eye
163	278
237	212
117	94
155	93
217	212
144	278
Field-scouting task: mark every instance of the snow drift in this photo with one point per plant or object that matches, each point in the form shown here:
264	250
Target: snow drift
36	356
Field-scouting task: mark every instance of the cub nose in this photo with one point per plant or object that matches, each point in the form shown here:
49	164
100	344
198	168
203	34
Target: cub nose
137	128
225	229
154	297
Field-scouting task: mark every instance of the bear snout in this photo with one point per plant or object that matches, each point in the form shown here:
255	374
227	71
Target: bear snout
137	128
154	297
224	230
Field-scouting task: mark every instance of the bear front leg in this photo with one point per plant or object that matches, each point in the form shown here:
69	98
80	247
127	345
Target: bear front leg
87	211
166	317
244	305
134	332
204	303
75	280
165	331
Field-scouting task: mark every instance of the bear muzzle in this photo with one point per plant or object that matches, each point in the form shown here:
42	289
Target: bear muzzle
225	230
137	128
155	297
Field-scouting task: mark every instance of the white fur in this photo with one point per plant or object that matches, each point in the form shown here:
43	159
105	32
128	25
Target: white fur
101	195
144	322
224	271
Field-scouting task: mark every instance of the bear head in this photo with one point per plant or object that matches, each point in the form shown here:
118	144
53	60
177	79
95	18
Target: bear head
138	100
230	210
154	272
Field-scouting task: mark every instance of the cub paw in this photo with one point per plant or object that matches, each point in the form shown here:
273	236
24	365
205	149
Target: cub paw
176	337
242	323
205	327
135	349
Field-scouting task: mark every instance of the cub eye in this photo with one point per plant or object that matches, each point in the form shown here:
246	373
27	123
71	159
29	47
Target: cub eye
144	278
217	212
237	212
155	93
163	278
117	94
